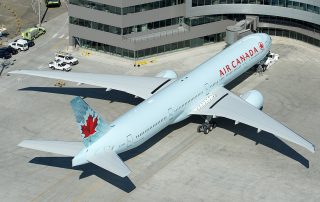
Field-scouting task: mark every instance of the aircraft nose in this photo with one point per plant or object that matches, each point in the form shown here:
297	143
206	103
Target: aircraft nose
265	38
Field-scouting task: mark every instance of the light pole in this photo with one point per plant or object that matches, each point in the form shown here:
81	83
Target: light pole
39	13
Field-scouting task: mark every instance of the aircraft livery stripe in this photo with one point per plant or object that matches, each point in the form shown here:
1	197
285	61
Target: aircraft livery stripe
218	100
155	90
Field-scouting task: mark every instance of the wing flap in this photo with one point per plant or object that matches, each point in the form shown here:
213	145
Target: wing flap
233	107
57	147
137	85
110	161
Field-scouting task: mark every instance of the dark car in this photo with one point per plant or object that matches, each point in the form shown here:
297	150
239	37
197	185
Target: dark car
10	50
30	42
5	54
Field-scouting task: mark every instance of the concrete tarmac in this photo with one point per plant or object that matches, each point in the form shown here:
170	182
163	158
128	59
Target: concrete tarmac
232	163
17	15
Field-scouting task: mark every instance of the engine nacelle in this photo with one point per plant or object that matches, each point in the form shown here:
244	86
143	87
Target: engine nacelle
168	74
254	98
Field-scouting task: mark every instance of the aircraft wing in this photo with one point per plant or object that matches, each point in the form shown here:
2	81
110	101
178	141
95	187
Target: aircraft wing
109	160
140	86
228	105
57	147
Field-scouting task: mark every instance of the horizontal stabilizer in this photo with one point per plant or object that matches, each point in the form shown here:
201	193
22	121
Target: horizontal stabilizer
57	147
110	161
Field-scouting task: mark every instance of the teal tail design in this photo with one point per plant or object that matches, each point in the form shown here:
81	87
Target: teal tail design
90	123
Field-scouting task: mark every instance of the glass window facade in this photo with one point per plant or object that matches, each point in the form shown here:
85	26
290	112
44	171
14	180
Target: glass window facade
96	6
290	34
282	3
126	30
151	25
194	21
96	46
151	6
126	10
94	25
289	22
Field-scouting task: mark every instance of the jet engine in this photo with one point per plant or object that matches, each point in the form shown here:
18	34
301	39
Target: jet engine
168	74
254	98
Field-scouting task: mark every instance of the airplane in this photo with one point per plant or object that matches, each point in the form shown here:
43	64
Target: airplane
168	99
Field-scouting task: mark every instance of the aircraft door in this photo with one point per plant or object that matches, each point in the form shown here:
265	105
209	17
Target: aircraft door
129	140
207	89
170	112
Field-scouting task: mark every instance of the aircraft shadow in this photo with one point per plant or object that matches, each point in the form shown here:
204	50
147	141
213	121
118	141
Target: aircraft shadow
153	140
96	93
240	78
89	169
263	138
248	132
127	185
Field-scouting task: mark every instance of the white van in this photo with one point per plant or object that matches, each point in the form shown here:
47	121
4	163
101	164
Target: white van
66	57
20	44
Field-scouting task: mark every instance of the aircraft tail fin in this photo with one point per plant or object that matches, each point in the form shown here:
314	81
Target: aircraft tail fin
90	123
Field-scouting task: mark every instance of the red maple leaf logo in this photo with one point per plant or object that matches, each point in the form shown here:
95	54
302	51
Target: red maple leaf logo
90	126
261	46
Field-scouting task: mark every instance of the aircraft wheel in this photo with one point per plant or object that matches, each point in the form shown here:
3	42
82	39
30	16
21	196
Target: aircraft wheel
214	125
200	129
210	127
206	130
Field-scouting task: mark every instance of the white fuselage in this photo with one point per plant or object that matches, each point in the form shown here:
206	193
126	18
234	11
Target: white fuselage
190	92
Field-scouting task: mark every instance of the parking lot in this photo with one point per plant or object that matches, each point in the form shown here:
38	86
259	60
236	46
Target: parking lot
232	163
18	15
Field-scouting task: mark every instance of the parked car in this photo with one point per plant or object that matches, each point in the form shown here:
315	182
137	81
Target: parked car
30	42
10	50
66	57
53	3
5	54
33	33
19	44
59	65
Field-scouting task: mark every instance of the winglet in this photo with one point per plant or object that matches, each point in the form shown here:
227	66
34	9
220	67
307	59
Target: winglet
312	148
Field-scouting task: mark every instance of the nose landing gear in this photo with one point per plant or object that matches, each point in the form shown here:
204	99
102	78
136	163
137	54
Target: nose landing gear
207	126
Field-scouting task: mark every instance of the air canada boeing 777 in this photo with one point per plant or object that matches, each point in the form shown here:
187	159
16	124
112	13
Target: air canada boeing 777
167	100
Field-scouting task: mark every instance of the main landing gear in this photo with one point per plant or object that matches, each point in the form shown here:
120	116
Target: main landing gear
207	126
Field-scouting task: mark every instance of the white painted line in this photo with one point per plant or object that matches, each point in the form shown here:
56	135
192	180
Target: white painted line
54	35
60	37
41	67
